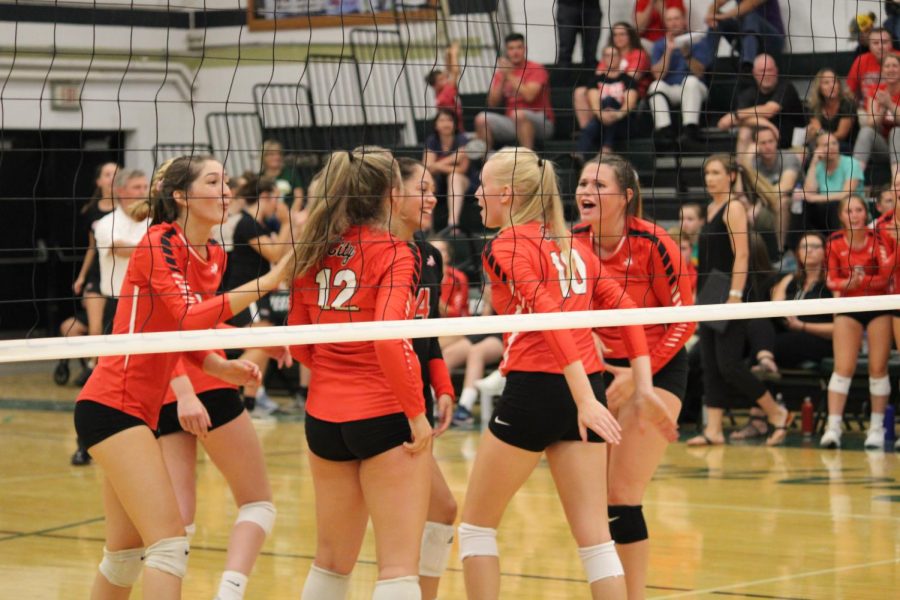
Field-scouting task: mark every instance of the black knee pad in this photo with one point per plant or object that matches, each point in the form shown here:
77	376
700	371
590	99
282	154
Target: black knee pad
627	525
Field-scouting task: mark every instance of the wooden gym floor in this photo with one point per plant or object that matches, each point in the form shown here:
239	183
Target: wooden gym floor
736	521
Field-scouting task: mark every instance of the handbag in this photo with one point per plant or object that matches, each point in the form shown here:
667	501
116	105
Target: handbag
715	291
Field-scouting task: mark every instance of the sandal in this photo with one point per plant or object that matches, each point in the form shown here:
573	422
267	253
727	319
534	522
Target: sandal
751	431
703	440
766	369
780	433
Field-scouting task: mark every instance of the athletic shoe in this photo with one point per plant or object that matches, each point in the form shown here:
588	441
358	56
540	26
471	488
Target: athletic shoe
875	439
83	376
265	406
831	439
462	416
81	458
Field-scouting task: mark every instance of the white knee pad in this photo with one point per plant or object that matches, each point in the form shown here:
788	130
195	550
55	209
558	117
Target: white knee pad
322	584
190	531
261	513
169	555
399	588
122	567
477	541
601	562
880	386
437	540
839	384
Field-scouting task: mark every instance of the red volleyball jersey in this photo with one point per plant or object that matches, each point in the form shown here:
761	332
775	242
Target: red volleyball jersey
368	276
168	287
527	276
889	233
649	266
873	259
455	292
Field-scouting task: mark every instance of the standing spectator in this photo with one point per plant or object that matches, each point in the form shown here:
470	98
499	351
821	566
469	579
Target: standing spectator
756	25
578	17
830	178
287	177
446	86
675	83
447	161
878	122
633	61
772	103
524	87
865	72
690	222
612	98
832	109
782	169
648	17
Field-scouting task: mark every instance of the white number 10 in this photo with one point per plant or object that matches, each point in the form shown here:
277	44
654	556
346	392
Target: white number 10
577	283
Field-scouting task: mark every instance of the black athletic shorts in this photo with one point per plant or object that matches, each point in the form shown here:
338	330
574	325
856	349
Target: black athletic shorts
223	405
480	337
356	440
92	278
672	377
537	410
260	310
864	318
94	422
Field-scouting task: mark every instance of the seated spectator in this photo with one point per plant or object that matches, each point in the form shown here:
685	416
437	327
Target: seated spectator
445	85
860	26
287	177
865	72
691	220
574	18
454	285
612	97
885	201
447	161
878	133
648	19
524	87
830	178
772	103
760	200
831	109
687	246
675	83
633	61
781	168
755	25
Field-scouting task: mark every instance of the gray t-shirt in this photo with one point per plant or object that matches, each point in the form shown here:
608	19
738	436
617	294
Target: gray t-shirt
785	161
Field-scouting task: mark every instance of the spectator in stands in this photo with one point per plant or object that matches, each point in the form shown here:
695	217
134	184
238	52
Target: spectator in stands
892	23
287	177
761	201
675	83
865	72
648	19
578	17
446	160
446	86
755	25
885	201
612	97
831	109
860	26
633	61
830	178
878	133
781	168
690	222
523	86
454	285
772	103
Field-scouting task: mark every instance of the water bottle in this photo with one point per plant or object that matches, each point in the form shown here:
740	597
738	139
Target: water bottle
797	200
890	436
807	417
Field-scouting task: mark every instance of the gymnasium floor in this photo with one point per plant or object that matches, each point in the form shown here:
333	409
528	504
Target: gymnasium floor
738	522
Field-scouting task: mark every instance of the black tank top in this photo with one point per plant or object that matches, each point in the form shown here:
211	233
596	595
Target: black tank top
795	291
714	247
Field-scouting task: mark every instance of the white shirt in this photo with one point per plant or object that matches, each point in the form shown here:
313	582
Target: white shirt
117	227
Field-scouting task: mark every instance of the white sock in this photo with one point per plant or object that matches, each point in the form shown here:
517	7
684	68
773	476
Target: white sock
232	586
834	422
468	398
876	421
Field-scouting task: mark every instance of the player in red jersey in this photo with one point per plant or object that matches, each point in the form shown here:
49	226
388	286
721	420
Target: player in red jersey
646	262
368	435
552	402
454	284
170	285
859	264
888	227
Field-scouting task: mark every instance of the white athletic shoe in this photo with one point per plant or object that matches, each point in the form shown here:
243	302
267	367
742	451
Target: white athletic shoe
875	439
831	439
493	384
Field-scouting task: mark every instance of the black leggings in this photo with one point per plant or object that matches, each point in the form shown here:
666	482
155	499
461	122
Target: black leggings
727	379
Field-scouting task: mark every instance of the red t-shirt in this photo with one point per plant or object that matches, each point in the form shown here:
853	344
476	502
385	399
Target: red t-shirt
874	258
655	27
455	292
864	77
448	98
526	275
167	287
368	276
531	72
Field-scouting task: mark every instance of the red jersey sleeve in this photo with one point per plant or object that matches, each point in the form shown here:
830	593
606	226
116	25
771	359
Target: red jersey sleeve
298	314
672	290
609	294
440	378
834	278
885	259
853	82
393	303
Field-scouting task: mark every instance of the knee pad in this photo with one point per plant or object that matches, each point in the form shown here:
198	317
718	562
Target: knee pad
399	588
437	540
261	513
601	562
839	384
190	531
122	567
477	541
627	524
169	555
880	386
322	584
